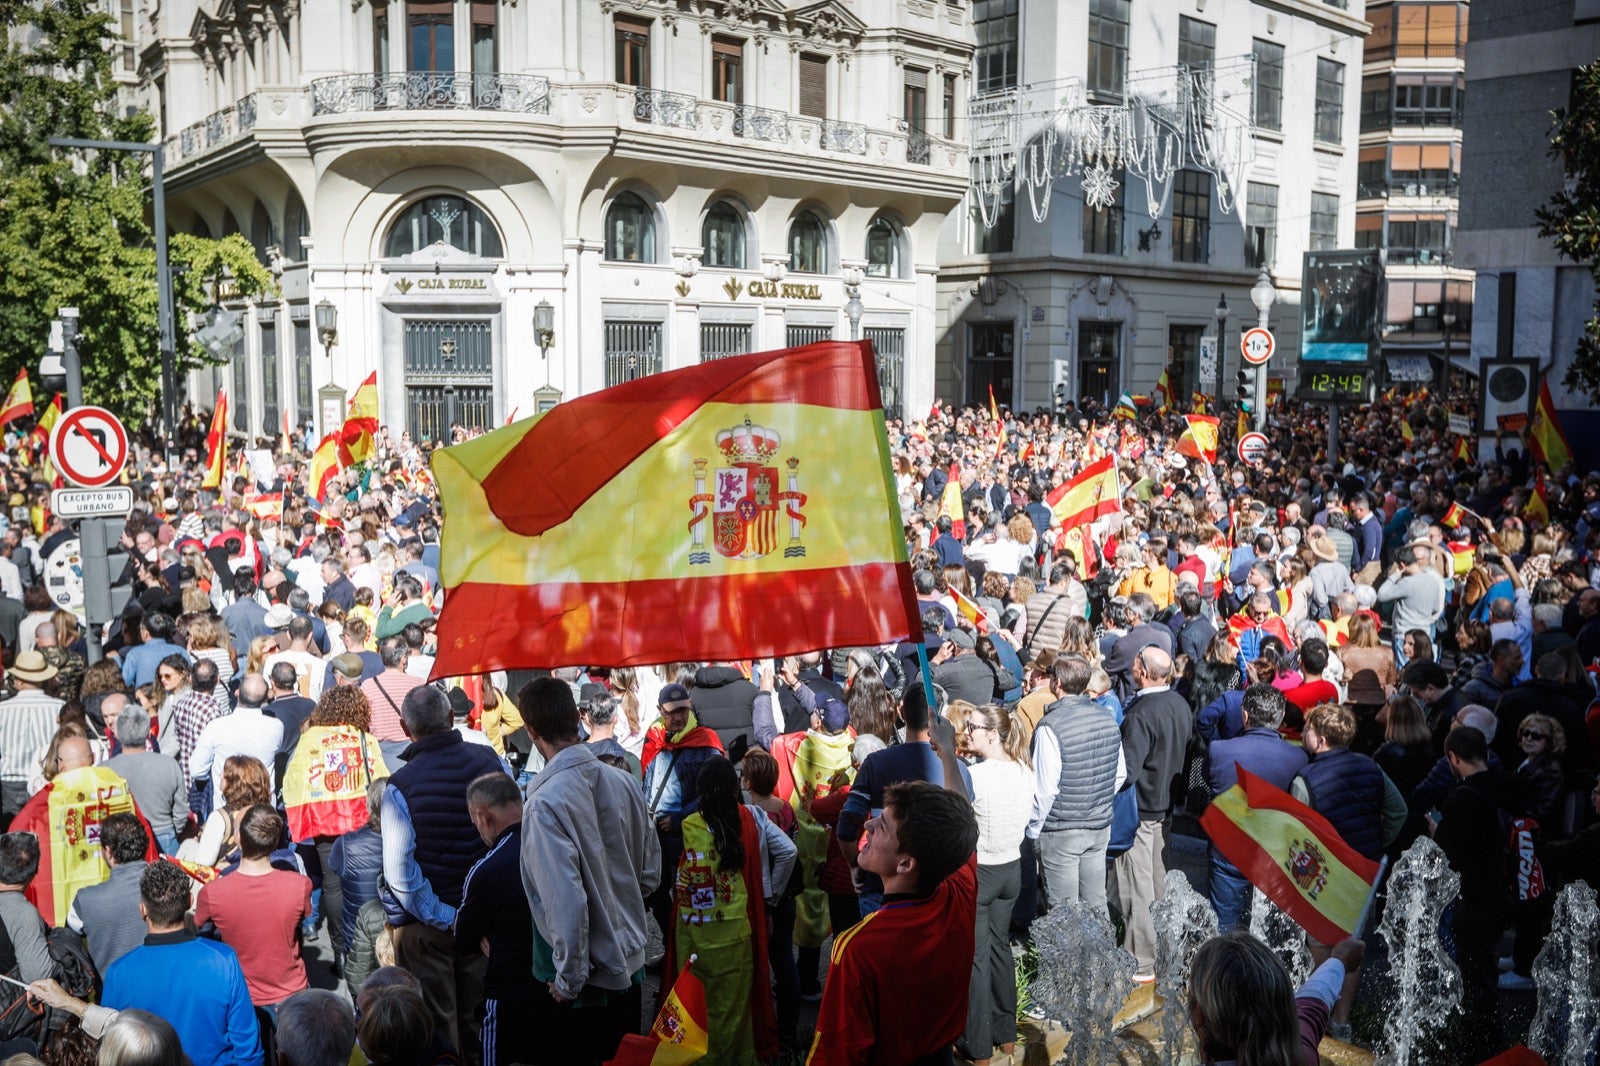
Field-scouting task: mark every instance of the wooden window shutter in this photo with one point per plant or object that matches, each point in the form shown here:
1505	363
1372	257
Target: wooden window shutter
1368	223
483	12
1371	154
1405	157
814	85
723	46
627	25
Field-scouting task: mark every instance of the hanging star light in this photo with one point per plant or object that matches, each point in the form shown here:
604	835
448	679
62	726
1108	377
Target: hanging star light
1099	187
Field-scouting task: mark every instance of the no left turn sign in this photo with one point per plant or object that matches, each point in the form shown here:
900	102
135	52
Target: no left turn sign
89	446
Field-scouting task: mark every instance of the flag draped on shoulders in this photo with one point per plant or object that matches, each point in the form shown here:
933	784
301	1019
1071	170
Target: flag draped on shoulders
951	504
1090	494
325	783
640	523
66	817
1545	437
1199	440
19	401
1293	854
217	443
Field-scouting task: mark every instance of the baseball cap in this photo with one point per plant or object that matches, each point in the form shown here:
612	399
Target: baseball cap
834	714
672	693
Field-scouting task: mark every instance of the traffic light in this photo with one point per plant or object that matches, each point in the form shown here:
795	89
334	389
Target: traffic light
106	589
1247	388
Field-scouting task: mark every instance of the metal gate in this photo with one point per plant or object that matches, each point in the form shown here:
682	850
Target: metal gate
889	348
633	349
449	365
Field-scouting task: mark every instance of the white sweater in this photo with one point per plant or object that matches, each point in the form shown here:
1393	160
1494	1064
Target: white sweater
1002	797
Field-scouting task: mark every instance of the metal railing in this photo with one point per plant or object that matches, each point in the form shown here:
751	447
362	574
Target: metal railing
666	109
848	137
918	147
527	94
215	130
760	123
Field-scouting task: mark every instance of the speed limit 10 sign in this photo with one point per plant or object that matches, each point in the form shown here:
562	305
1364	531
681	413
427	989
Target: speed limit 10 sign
1257	345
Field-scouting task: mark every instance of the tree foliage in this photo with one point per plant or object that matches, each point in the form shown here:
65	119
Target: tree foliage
1571	219
74	226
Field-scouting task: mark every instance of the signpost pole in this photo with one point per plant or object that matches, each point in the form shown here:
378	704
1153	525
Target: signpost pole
69	355
1333	431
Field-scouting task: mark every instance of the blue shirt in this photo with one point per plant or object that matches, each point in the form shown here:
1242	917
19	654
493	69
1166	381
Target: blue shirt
198	987
139	662
400	868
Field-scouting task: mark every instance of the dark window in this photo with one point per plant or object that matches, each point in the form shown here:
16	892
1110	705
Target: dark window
630	230
723	237
795	335
262	235
1260	225
1428	100
1375	103
1197	43
889	345
300	314
1330	101
814	86
241	376
1269	85
1324	221
269	374
950	107
807	244
1369	230
633	52
883	249
1100	360
1108	48
991	366
727	70
432	37
380	37
129	26
999	237
916	115
1191	216
994	24
296	227
1183	362
1413	238
1102	226
1372	175
485	57
454	220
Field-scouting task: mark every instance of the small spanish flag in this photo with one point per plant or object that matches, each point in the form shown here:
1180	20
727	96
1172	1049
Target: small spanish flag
217	443
1545	438
1293	855
19	401
1199	441
1407	434
1244	423
950	504
1454	516
994	408
970	611
1092	493
324	465
1163	391
1462	452
681	1033
47	422
1198	402
1027	452
1538	506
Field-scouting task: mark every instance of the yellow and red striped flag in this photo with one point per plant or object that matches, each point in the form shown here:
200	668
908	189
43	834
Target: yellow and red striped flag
1407	434
47	422
1199	440
1462	452
357	437
19	401
970	611
559	547
1243	426
267	506
1538	506
1293	855
1197	401
1092	493
950	503
324	465
1453	517
1163	391
681	1033
216	443
1545	438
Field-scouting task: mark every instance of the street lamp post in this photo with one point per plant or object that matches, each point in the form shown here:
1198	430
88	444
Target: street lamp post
157	153
1449	320
1263	295
852	310
327	326
1222	324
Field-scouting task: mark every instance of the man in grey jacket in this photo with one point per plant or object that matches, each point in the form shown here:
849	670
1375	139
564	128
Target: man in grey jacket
590	855
1417	594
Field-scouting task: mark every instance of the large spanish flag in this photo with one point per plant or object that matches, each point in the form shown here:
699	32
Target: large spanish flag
1293	854
66	818
1199	440
1545	438
216	443
1090	494
19	401
325	782
681	1033
737	509
951	504
324	465
47	422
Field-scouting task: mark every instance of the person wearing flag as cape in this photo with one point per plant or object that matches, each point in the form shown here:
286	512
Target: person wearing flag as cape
674	750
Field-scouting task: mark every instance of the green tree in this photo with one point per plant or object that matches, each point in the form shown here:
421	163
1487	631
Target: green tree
1571	219
74	226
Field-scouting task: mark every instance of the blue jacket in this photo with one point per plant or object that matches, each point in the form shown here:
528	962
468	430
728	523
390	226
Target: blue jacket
1347	789
357	860
139	663
1222	718
1259	750
197	986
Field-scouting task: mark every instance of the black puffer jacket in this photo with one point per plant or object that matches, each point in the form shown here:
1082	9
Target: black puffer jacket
724	701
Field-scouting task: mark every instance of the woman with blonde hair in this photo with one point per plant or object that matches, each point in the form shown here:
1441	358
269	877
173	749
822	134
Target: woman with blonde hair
209	639
260	649
624	684
245	783
1002	799
1370	678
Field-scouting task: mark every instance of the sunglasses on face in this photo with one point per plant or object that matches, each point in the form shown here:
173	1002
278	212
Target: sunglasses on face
1528	734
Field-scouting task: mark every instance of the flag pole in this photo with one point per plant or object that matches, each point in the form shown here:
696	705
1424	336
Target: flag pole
1366	908
927	676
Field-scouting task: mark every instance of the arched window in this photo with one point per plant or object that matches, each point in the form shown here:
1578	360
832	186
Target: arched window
296	226
262	234
230	225
722	236
808	247
454	220
883	249
630	230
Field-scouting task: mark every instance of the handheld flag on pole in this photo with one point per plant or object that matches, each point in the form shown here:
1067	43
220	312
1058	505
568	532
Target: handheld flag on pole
970	611
1407	434
1199	440
19	401
1462	453
1538	506
1092	493
324	465
682	1030
1126	409
1163	391
1293	855
217	443
357	437
951	504
1454	515
47	422
560	547
1545	438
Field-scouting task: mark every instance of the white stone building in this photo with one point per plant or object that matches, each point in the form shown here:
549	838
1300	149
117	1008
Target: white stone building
676	179
1098	301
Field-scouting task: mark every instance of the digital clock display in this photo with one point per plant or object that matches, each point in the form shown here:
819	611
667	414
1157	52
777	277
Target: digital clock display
1341	384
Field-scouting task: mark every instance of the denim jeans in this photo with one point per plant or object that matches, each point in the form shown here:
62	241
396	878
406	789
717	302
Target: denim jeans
1074	863
1230	893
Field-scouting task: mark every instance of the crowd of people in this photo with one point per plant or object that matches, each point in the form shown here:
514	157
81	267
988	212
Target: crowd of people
1399	637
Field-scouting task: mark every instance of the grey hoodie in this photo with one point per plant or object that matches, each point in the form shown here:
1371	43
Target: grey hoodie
589	857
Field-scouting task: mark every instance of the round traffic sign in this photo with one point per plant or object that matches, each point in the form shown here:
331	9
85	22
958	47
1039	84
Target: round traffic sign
89	446
1253	448
1257	345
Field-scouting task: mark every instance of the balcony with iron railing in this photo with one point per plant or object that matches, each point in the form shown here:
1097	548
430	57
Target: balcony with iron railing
1397	187
216	130
527	94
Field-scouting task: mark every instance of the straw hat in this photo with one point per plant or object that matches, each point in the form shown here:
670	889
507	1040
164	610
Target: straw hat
1322	547
30	666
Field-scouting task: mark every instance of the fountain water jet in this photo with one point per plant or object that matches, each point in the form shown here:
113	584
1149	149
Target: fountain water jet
1083	979
1183	920
1567	1020
1424	983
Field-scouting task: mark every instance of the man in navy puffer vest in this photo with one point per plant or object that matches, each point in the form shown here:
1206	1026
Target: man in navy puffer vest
429	844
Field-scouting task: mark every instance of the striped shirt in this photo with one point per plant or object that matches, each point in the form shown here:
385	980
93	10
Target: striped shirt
27	722
386	693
